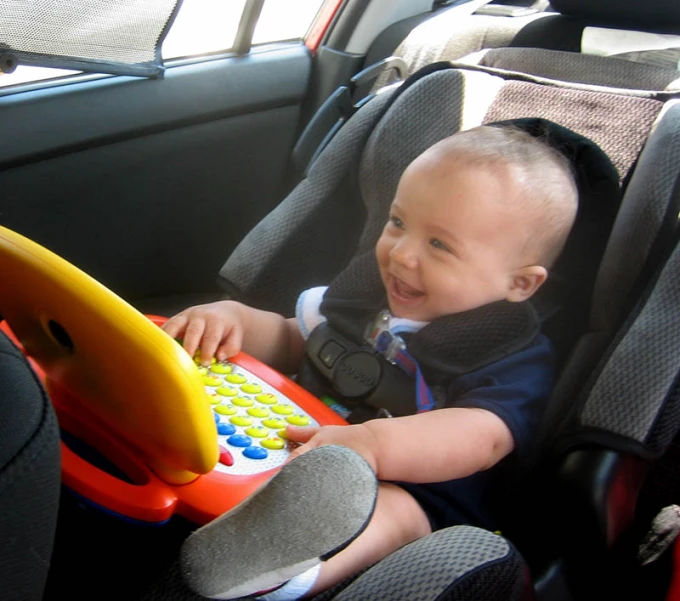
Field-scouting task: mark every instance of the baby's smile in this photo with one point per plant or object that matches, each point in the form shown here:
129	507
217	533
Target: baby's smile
401	293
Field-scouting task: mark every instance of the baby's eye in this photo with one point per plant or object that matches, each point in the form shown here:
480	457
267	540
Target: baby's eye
438	244
395	221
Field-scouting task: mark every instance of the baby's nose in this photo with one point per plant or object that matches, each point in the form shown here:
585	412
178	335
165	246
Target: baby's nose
405	253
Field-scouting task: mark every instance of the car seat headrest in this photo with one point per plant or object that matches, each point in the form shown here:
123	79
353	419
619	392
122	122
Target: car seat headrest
572	277
632	14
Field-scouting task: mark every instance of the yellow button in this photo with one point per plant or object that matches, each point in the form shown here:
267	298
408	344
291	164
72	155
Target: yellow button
197	357
202	369
226	410
213	399
235	378
267	398
283	409
273	443
257	432
241	420
241	401
221	368
282	434
274	422
258	412
251	388
226	391
211	381
298	420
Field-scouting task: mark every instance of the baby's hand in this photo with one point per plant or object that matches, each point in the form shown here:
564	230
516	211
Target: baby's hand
215	328
356	437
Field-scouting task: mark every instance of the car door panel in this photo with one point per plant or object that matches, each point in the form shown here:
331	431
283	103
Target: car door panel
148	184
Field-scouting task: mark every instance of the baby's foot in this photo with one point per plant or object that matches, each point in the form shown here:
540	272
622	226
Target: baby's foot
310	510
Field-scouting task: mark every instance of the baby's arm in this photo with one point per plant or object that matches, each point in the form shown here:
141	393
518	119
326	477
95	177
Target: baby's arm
439	445
224	328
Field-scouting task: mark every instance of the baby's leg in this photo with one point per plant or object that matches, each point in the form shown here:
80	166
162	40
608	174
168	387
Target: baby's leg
314	507
397	520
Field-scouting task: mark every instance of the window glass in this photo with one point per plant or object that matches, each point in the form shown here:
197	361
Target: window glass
27	74
205	26
285	20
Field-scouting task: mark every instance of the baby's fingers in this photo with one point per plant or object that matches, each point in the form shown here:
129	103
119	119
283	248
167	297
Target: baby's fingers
194	336
175	326
303	437
301	434
231	345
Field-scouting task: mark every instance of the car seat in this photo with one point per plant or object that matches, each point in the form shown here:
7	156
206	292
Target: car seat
583	545
29	478
596	459
641	233
561	25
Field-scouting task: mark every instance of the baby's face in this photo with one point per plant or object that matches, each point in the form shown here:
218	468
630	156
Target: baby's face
451	242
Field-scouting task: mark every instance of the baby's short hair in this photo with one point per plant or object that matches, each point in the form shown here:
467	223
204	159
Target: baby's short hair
551	207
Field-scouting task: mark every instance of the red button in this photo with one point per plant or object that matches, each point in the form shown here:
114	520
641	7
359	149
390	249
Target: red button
226	457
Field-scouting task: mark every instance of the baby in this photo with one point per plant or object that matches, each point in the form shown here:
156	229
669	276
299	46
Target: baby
477	219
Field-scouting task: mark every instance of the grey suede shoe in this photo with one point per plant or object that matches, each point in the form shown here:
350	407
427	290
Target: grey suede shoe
310	510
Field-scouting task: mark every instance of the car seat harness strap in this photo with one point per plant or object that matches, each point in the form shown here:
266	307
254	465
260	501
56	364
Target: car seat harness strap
357	360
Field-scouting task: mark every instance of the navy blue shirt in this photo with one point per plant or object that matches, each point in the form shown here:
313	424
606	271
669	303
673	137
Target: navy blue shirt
516	389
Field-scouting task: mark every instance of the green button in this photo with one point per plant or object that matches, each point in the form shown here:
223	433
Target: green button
241	401
226	391
235	378
251	388
274	422
274	444
298	420
257	432
211	381
267	398
258	412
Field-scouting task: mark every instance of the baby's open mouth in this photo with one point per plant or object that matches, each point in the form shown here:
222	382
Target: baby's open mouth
403	291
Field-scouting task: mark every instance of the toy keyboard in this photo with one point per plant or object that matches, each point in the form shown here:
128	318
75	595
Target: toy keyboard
180	441
251	418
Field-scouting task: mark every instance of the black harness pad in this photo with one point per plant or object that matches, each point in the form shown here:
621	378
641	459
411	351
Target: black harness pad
342	364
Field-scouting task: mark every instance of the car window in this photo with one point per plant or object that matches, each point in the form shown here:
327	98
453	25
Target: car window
205	27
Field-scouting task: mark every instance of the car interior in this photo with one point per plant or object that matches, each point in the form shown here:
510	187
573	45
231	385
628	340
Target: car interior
255	177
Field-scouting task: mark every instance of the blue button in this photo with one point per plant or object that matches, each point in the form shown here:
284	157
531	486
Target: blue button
226	429
217	418
239	440
255	453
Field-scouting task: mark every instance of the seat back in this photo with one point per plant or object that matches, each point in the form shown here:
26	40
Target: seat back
29	478
573	26
339	209
356	176
578	515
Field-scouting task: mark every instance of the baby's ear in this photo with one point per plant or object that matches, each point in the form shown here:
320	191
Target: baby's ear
525	281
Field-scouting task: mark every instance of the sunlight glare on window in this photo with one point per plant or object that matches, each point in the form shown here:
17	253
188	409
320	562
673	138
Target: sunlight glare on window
25	74
203	26
285	20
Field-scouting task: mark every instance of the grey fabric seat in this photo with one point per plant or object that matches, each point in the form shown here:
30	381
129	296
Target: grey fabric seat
591	447
29	478
451	34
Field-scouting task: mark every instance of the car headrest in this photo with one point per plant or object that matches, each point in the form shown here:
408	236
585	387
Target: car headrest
653	14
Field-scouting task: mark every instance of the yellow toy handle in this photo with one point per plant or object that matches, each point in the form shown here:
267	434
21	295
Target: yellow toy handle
116	365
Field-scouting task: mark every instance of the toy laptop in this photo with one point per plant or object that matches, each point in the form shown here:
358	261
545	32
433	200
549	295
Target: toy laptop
183	439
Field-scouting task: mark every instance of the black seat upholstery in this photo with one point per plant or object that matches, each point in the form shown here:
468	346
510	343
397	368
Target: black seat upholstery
29	478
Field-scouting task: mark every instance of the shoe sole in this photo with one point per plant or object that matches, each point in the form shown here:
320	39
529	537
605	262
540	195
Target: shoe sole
310	510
